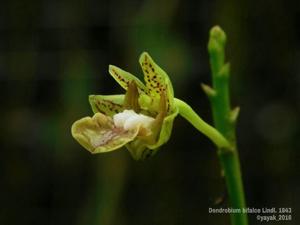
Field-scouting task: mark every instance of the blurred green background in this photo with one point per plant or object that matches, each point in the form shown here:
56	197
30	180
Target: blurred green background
53	54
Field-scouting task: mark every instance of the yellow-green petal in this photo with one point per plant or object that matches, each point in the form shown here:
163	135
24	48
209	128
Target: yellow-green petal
165	131
107	104
137	149
144	147
124	78
98	134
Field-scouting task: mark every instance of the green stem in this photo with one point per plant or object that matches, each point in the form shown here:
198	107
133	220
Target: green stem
224	121
231	167
190	115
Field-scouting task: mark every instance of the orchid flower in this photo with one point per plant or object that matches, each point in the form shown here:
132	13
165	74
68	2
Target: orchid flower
142	119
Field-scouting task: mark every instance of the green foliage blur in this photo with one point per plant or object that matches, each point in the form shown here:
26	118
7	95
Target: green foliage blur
53	54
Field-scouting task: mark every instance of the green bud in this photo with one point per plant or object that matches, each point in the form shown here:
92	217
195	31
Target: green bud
225	70
234	114
208	90
217	34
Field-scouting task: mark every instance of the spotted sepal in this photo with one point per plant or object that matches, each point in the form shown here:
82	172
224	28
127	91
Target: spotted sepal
107	104
157	80
124	78
98	134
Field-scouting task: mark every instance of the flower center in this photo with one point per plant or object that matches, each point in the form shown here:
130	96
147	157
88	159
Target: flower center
129	119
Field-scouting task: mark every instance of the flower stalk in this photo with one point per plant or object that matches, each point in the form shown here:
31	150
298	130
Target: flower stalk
224	121
190	115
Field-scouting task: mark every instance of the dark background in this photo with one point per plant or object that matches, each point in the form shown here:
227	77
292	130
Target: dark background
53	54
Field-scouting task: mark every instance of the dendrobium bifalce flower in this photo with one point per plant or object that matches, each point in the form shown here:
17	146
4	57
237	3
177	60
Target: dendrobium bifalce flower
141	120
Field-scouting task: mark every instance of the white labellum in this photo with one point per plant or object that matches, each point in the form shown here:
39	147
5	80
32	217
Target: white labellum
129	120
